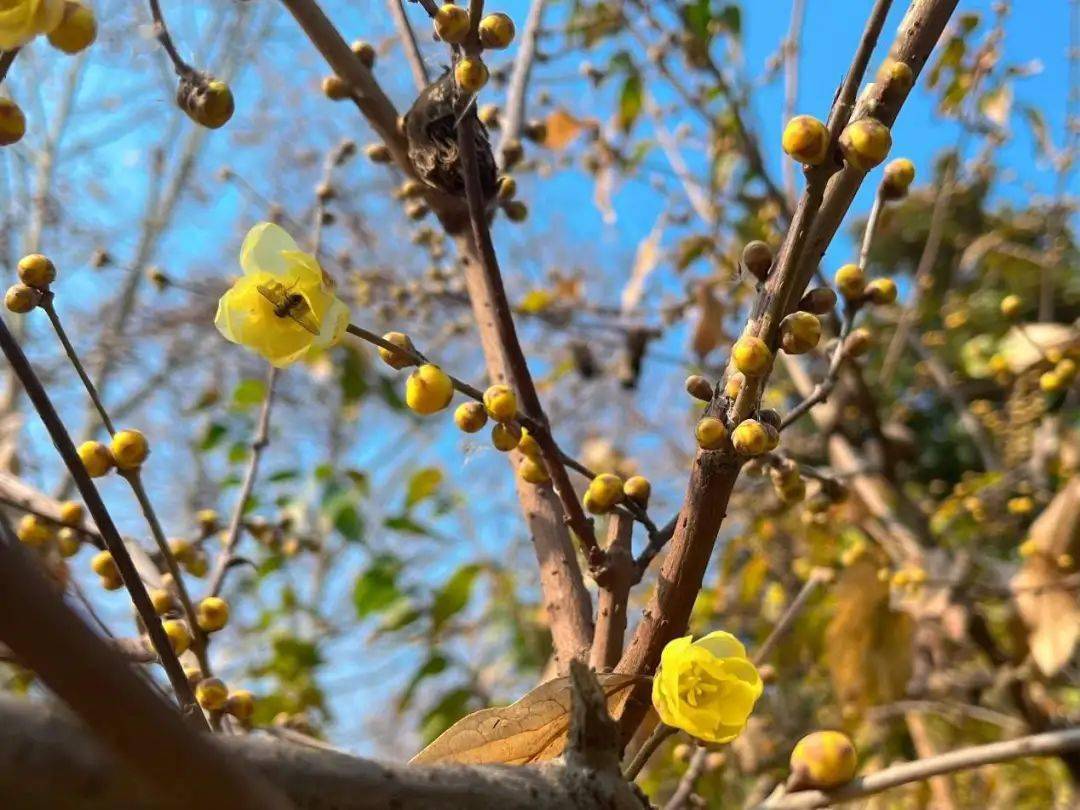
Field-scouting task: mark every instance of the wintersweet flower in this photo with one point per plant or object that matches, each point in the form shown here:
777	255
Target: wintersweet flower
284	304
707	687
22	20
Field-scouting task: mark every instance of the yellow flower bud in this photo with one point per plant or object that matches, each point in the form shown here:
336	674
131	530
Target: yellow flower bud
734	384
858	342
515	210
428	389
799	332
757	258
1066	370
77	28
33	531
21	299
68	542
823	760
212	614
365	52
208	520
178	633
806	140
12	122
397	360
707	687
129	449
104	565
881	291
36	271
496	31
471	74
197	565
699	388
241	705
751	355
96	458
710	432
818	301
850	281
506	189
452	23
638	489
1051	383
528	445
470	417
162	600
604	492
533	471
335	88
378	153
898	177
1011	305
112	582
212	693
505	436
865	143
750	438
500	402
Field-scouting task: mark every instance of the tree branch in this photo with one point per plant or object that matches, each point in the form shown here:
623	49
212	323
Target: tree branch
1047	744
714	473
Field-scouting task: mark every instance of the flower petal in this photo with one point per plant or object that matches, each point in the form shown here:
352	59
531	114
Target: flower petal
722	645
263	248
304	269
244	316
333	324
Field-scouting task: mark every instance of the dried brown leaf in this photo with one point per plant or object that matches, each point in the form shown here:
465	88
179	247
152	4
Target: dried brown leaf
868	643
1047	606
709	329
562	128
531	730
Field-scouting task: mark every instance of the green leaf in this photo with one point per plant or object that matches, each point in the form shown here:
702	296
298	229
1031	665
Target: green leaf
283	475
696	16
454	595
212	436
404	523
376	588
422	485
248	393
293	657
630	101
730	18
436	664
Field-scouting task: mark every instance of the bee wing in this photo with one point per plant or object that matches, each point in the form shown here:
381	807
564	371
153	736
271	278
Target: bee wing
271	293
307	321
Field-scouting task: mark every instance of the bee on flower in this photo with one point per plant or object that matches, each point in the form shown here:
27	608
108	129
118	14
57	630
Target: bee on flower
707	687
284	304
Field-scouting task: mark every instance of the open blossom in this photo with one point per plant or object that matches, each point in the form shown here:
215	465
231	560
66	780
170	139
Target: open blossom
707	687
22	20
284	304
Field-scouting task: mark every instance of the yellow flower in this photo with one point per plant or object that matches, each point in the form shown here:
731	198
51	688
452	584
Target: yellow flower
706	687
22	20
284	304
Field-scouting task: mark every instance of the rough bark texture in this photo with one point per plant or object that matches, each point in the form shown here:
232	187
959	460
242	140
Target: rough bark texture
48	759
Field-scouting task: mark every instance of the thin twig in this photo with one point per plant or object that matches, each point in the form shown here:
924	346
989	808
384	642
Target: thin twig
408	43
137	591
816	578
648	748
792	48
1049	743
134	479
91	390
258	444
161	31
519	77
689	779
6	60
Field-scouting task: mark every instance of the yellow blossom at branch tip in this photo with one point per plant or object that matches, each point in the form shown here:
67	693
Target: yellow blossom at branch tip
284	304
22	20
707	687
